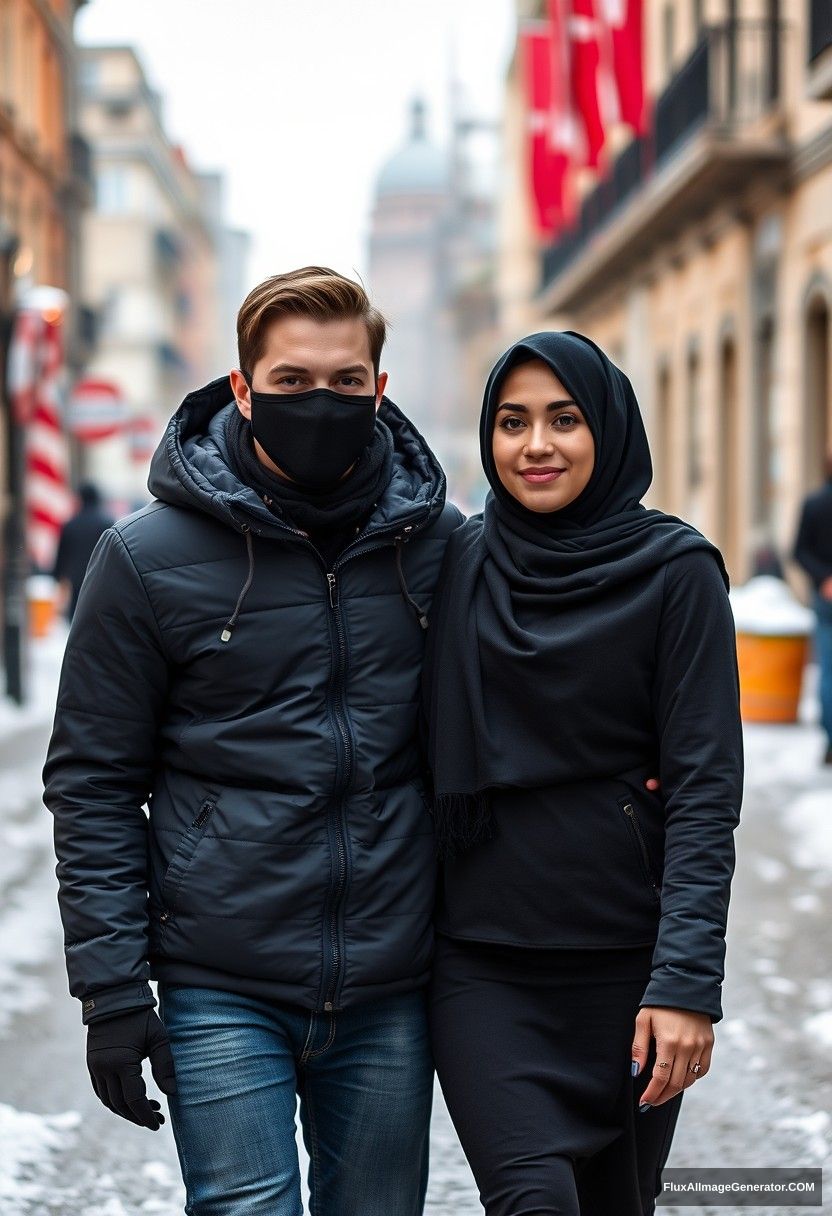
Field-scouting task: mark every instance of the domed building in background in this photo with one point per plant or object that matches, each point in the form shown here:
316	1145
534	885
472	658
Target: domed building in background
431	239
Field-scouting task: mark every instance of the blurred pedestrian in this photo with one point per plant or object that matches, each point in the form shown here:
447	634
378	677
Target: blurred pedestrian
78	538
246	657
813	551
578	641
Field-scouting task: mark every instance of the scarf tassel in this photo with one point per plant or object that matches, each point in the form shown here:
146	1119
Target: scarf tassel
462	820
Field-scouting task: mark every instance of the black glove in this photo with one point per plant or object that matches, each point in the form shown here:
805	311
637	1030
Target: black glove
116	1047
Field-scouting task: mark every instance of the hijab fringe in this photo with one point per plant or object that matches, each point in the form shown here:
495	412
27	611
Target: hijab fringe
462	820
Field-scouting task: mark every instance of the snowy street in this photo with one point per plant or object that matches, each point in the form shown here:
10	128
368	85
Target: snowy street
765	1102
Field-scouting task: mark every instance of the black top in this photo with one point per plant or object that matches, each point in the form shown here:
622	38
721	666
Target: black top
813	546
79	537
649	688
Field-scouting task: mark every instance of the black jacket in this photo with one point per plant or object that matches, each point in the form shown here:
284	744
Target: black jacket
650	687
288	852
813	545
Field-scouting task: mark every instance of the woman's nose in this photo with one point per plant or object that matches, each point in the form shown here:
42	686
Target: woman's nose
539	440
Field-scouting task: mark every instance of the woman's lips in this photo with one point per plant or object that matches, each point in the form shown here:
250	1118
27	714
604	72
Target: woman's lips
541	476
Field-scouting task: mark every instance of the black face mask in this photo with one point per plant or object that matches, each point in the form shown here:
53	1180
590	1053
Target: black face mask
313	436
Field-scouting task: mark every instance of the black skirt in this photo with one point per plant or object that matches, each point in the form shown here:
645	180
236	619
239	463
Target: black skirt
532	1050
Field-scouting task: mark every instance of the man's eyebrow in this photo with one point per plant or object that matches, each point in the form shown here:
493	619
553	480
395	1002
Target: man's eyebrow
522	409
287	367
303	371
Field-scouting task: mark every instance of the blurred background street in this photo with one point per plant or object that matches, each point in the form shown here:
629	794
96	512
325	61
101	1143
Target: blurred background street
656	174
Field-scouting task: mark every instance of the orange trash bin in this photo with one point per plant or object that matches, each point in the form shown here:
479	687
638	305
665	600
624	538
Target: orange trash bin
773	630
40	590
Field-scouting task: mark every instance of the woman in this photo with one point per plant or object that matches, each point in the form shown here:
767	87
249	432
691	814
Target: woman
579	643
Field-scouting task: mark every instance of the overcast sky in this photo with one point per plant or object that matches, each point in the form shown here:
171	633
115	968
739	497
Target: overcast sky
299	102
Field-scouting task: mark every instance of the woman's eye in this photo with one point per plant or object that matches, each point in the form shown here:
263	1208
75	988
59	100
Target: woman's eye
506	424
568	419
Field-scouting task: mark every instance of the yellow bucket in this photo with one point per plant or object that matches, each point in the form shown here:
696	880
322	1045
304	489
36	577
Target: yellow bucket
771	675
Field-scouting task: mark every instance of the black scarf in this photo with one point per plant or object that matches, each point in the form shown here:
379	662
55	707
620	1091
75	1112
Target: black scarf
331	518
481	734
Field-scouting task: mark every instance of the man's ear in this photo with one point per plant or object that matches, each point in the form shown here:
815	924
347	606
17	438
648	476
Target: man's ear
240	389
381	386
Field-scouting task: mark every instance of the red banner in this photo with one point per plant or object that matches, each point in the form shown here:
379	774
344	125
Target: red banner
586	38
547	153
625	19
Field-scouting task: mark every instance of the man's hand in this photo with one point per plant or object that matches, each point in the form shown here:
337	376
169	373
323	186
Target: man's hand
826	588
683	1039
116	1047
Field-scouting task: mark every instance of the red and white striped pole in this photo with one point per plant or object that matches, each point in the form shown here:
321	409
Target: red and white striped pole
35	384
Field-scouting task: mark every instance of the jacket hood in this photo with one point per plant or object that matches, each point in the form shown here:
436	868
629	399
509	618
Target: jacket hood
191	467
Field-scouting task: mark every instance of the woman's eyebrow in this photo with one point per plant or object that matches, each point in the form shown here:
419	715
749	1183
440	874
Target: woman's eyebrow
522	409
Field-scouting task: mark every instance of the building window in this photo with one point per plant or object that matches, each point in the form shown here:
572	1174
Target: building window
668	38
89	75
818	422
111	190
698	18
730	448
695	442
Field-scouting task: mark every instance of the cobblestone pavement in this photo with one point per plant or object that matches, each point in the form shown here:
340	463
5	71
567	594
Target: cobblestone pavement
765	1102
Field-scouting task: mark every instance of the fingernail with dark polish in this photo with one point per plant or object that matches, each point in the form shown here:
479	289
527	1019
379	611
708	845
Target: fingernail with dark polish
634	1068
645	1106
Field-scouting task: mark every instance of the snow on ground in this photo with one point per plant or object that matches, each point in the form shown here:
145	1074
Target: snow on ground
776	1035
45	655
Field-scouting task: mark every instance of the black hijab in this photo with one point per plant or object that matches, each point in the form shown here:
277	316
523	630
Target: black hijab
510	565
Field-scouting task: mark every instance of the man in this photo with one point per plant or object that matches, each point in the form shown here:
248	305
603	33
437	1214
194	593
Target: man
245	658
813	551
79	536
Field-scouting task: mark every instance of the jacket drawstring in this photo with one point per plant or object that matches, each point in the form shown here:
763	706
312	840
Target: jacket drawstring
225	636
421	615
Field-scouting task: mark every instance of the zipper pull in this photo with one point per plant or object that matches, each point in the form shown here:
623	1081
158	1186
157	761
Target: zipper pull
333	590
204	811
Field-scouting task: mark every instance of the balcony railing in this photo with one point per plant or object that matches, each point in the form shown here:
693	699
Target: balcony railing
730	81
820	27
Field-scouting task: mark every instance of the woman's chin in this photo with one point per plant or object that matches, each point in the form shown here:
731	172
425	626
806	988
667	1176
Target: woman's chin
544	501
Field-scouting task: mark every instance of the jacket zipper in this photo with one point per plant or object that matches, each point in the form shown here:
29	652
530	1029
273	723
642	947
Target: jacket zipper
338	818
339	714
199	821
629	811
344	730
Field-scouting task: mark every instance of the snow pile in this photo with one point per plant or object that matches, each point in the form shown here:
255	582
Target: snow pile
29	1145
765	606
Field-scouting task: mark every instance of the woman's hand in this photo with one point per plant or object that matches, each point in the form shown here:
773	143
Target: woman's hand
683	1039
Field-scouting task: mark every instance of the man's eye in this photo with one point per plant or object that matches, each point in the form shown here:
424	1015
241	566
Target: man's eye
289	381
350	381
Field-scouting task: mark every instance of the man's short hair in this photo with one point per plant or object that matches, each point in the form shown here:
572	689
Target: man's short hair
313	291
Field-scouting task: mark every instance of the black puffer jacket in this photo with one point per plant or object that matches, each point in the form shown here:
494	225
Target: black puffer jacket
288	851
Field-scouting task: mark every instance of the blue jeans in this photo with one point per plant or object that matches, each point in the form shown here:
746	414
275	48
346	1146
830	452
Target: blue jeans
823	649
365	1081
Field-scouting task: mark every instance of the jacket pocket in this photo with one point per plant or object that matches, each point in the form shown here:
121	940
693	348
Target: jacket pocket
182	860
630	813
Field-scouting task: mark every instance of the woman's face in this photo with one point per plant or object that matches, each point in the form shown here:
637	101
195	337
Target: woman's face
543	448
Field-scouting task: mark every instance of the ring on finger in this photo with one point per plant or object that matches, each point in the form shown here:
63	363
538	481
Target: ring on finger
694	1068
